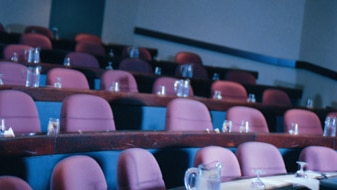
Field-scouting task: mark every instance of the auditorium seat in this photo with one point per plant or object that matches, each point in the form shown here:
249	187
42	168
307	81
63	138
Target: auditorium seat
240	76
39	30
198	72
126	80
36	40
90	47
319	158
184	57
135	65
169	83
308	122
85	112
78	172
275	97
262	156
8	182
256	120
21	51
19	111
13	73
230	165
82	59
85	37
231	91
69	78
138	169
143	53
187	115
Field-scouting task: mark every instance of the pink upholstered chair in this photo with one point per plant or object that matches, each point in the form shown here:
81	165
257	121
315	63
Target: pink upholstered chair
230	91
138	169
184	57
84	37
13	73
90	47
135	65
256	120
319	158
168	82
260	155
19	49
19	111
39	30
126	81
230	164
13	183
275	97
239	76
78	172
82	59
144	54
36	40
85	112
70	78
308	122
199	72
187	115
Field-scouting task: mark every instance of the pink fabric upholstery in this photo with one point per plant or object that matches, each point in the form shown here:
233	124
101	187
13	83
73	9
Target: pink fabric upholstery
332	114
242	77
143	53
168	82
19	111
308	122
275	97
36	40
137	169
187	115
39	30
70	78
20	49
13	183
257	121
86	112
260	155
83	37
127	82
13	73
90	47
188	57
78	172
82	59
230	164
319	158
230	91
135	65
199	72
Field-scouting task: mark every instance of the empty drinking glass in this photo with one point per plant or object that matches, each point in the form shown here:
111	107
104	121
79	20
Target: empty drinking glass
53	126
1	81
109	66
244	127
58	83
227	126
293	129
217	95
330	127
300	172
114	87
157	71
161	91
257	183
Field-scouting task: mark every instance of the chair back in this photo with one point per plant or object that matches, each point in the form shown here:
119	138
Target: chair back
144	53
256	120
21	51
85	112
135	65
187	115
126	81
239	76
84	37
81	59
13	183
70	78
90	47
138	169
319	158
19	111
78	172
230	91
168	82
260	155
230	164
36	40
184	57
275	97
308	122
13	73
39	30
